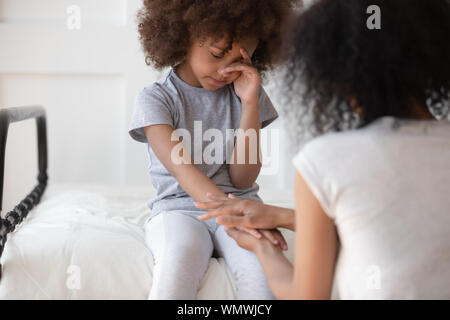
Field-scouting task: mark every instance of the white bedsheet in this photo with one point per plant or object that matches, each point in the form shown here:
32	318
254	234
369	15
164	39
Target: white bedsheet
87	242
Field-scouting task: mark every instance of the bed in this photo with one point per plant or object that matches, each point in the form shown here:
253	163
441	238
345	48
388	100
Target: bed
86	241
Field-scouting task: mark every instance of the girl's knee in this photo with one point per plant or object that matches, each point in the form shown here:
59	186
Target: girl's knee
188	251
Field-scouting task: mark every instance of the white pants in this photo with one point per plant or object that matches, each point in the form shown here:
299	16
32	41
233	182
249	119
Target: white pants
182	246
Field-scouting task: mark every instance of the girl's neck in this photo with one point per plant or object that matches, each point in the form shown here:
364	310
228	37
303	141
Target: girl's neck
184	72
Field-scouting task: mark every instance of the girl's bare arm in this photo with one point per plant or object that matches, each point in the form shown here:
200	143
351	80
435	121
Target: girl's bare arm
191	179
243	173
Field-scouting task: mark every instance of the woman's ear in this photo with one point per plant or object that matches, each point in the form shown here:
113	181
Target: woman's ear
353	103
359	111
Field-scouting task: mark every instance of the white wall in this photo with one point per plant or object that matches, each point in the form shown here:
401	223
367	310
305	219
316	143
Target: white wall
86	79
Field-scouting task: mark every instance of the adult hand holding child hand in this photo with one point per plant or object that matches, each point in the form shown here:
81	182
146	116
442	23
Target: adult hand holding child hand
241	216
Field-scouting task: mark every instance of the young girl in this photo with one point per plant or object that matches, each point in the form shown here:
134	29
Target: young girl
372	204
216	50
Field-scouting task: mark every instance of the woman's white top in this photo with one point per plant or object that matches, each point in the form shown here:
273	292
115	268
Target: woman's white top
387	188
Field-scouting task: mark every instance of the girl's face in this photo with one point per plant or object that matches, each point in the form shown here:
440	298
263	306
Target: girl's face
204	62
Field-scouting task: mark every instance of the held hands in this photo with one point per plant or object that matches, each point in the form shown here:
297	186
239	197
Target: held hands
248	242
243	218
233	211
247	84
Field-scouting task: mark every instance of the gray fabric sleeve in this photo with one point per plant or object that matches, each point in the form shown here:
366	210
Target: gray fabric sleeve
267	112
150	108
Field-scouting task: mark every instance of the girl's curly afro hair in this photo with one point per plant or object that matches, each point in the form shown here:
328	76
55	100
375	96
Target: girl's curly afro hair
166	27
333	56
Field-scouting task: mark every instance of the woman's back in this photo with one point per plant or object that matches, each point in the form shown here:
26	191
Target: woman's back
386	188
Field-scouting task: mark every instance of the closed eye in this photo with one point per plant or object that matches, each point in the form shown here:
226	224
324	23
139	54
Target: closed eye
217	57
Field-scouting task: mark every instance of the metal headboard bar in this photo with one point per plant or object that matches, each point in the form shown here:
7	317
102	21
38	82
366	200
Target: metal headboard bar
15	217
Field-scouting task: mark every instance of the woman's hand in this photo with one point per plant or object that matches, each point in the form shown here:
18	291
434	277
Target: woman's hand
272	235
233	212
275	237
245	214
247	242
247	84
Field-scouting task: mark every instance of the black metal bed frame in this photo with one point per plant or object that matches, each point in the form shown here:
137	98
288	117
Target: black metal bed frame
15	217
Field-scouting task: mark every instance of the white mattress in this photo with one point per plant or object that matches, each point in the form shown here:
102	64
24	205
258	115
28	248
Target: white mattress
87	242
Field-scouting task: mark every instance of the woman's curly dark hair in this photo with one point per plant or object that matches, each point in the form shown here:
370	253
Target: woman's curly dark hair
167	26
332	57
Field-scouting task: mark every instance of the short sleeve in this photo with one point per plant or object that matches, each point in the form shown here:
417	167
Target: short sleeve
267	112
150	108
304	163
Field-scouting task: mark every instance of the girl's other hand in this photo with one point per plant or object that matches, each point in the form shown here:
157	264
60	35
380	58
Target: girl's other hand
215	204
252	217
247	242
275	236
235	212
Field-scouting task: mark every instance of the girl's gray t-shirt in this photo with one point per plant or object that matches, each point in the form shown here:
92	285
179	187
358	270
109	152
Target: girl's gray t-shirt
172	101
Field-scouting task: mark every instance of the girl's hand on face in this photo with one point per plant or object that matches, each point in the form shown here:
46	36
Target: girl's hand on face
247	84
